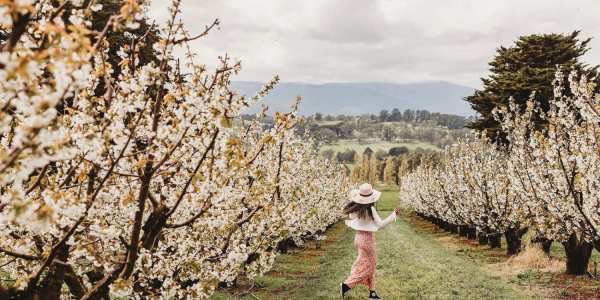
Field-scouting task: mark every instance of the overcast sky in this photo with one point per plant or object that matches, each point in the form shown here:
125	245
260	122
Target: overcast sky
376	40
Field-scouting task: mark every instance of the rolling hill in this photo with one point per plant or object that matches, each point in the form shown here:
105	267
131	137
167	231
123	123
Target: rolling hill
364	97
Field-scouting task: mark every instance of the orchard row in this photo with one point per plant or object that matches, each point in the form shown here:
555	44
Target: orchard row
126	171
543	179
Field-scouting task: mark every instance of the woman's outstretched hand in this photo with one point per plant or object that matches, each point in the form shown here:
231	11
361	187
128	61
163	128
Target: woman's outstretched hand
397	210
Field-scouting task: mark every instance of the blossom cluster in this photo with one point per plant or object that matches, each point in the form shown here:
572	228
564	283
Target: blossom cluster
471	187
142	181
546	177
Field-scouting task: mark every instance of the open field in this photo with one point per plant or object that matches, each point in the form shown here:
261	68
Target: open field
328	123
385	146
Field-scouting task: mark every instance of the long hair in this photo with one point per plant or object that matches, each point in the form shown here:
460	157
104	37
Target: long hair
362	210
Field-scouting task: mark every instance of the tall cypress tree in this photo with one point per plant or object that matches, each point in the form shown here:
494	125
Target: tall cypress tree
526	67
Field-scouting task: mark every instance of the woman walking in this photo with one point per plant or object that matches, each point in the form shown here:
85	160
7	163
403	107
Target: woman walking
363	218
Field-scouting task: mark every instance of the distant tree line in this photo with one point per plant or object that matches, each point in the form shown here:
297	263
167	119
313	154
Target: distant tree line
409	116
404	127
350	156
389	167
365	132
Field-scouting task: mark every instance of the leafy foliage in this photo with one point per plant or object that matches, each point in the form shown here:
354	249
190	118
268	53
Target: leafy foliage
525	71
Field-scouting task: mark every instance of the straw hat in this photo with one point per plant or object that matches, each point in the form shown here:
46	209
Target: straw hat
365	194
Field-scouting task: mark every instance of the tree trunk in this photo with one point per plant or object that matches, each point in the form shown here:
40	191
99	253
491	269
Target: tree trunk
74	282
285	245
513	240
11	293
578	253
444	225
597	245
543	243
494	240
52	283
133	253
453	228
153	227
462	230
440	224
95	276
482	238
472	233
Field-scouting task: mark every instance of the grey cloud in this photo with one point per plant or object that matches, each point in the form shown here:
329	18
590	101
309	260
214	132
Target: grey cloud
349	22
377	40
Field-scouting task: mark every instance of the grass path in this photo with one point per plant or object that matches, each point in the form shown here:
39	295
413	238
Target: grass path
410	266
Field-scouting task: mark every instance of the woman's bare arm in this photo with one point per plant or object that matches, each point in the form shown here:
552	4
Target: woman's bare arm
386	221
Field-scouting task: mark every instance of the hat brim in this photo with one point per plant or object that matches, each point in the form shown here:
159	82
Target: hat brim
366	200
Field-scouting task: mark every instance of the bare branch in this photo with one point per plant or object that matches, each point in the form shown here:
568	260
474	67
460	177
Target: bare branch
198	165
207	29
204	209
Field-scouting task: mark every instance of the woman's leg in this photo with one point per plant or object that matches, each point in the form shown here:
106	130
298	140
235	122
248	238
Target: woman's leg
372	263
371	283
363	269
357	271
355	277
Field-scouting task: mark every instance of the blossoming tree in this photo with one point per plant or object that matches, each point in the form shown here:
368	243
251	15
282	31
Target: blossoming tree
143	181
546	180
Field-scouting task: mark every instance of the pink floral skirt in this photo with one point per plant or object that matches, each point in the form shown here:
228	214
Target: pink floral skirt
363	269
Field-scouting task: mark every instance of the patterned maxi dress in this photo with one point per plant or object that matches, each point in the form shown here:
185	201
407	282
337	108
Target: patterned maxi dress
363	269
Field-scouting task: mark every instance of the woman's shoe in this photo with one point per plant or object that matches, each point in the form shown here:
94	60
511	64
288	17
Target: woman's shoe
344	288
373	296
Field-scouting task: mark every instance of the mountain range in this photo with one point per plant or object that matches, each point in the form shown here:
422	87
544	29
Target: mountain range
363	97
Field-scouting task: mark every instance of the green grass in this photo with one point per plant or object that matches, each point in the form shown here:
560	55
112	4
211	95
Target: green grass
385	146
389	197
410	266
329	123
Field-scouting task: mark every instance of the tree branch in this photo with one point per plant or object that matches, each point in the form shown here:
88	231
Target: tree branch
19	28
204	209
19	255
198	165
38	179
139	215
207	29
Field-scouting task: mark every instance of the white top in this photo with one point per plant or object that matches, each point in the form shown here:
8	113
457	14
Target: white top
357	223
